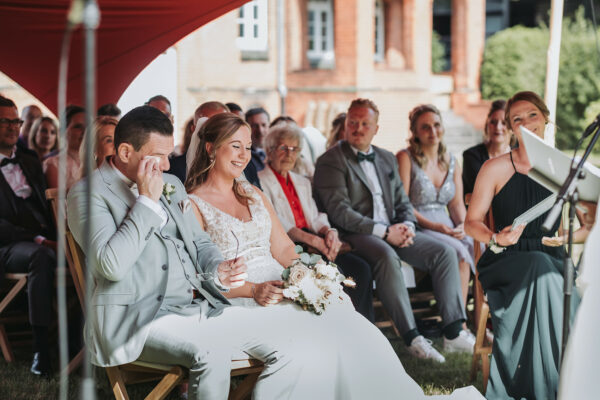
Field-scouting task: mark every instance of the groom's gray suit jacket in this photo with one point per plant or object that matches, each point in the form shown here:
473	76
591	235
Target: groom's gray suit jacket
343	191
128	258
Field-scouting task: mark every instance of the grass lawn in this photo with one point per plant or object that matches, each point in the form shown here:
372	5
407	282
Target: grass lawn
16	382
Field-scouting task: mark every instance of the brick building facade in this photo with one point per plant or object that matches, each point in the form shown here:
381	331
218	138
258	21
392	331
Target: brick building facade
332	51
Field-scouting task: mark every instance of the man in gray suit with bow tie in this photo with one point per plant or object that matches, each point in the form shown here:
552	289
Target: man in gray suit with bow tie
158	278
359	187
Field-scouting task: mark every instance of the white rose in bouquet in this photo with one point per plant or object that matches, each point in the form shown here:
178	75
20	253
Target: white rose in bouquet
326	270
297	274
310	290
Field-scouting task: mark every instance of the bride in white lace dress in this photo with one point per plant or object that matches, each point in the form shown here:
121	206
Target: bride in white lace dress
357	359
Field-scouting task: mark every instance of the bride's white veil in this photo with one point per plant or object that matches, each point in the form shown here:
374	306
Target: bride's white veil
194	143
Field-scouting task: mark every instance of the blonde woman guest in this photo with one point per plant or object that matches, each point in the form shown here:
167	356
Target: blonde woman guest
75	132
497	141
432	177
102	133
291	196
43	136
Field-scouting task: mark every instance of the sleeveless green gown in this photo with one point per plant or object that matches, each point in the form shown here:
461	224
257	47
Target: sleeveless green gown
524	287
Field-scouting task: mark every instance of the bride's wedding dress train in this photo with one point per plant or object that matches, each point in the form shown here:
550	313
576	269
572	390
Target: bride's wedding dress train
365	363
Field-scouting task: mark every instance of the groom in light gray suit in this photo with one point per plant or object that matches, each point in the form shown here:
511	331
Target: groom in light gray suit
359	188
158	278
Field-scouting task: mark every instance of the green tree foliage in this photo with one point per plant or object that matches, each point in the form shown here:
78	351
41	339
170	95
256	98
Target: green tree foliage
438	54
515	60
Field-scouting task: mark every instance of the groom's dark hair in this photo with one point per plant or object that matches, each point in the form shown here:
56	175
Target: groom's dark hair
136	126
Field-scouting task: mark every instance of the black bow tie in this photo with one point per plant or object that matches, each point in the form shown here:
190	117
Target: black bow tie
6	161
365	157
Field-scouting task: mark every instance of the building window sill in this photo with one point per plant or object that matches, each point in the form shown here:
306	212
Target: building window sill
255	55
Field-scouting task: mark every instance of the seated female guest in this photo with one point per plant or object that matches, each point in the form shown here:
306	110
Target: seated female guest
337	130
521	274
74	134
291	196
102	133
43	137
497	141
432	178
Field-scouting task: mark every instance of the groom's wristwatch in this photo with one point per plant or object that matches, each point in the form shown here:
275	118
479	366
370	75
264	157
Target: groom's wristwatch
494	246
387	232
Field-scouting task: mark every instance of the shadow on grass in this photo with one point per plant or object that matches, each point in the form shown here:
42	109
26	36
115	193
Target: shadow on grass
17	383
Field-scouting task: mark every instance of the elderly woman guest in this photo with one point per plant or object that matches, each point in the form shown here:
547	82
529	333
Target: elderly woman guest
102	132
43	136
433	181
291	196
497	141
520	272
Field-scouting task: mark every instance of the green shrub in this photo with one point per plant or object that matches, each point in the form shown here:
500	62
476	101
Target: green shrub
438	54
515	59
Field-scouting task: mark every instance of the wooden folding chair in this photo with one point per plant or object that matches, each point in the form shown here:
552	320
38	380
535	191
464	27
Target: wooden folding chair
17	284
169	376
483	348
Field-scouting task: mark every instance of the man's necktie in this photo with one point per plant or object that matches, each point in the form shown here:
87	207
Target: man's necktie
365	157
6	161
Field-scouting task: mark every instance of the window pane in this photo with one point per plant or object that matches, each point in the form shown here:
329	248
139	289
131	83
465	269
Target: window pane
241	34
255	30
255	11
242	12
311	44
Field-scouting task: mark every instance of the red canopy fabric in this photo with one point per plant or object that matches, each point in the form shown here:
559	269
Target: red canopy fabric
131	34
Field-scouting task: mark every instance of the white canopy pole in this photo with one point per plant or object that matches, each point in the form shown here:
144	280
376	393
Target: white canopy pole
552	66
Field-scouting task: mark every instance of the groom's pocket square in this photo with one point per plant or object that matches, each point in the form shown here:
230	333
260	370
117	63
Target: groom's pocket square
185	205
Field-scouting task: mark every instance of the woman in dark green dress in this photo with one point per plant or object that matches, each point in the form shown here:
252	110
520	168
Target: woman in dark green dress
520	274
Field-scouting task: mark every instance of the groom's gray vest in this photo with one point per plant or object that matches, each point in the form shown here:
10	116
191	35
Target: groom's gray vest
182	274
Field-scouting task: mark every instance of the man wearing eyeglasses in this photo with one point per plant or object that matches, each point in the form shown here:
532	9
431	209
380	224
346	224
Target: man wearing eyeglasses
26	230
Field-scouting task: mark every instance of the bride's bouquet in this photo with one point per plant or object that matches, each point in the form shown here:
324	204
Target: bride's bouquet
313	283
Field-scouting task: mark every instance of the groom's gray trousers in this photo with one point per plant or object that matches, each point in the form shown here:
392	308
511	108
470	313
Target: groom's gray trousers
437	259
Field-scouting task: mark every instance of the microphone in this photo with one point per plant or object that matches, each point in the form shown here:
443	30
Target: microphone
591	127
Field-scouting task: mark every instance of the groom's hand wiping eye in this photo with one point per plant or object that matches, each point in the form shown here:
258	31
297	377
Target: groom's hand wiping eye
149	178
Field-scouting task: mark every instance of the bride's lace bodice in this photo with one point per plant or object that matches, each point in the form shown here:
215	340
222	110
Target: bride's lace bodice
250	239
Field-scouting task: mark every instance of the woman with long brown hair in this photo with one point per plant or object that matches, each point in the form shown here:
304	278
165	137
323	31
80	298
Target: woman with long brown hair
497	141
432	178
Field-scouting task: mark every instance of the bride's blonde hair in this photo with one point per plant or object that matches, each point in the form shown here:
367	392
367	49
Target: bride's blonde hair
216	130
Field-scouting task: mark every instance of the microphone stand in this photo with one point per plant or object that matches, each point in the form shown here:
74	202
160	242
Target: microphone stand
568	193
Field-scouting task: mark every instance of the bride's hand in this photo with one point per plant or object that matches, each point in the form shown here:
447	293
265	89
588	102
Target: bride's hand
268	293
232	273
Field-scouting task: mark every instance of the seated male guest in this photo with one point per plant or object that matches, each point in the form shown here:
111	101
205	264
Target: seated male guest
258	119
358	186
26	229
158	276
291	195
204	110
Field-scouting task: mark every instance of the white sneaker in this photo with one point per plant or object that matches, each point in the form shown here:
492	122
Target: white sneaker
463	343
422	348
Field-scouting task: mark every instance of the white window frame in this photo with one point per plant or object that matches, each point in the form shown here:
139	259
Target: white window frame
253	21
379	36
322	43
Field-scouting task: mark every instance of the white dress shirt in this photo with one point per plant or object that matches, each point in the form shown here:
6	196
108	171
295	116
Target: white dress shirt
16	178
379	212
